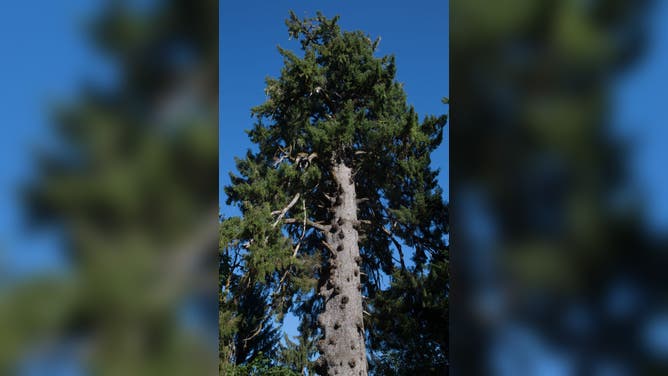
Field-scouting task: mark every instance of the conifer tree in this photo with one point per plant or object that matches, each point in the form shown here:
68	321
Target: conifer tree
538	157
340	183
132	185
246	332
409	328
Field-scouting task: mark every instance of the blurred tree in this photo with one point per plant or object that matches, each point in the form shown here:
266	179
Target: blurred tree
132	184
341	183
534	151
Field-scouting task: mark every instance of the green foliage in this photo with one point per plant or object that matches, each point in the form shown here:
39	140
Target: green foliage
261	366
21	323
295	355
536	147
410	331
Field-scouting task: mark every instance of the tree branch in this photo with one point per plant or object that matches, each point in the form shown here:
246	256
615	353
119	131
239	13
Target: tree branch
294	254
398	246
328	197
299	242
281	213
256	333
304	228
308	222
329	247
278	161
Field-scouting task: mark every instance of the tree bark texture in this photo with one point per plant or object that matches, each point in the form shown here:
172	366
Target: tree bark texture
342	348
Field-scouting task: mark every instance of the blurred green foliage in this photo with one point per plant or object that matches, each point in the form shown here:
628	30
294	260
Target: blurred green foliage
132	185
532	149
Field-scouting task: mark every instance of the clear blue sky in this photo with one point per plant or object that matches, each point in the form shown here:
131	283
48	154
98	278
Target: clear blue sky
639	115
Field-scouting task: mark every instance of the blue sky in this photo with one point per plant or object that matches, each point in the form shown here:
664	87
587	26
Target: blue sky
639	101
41	66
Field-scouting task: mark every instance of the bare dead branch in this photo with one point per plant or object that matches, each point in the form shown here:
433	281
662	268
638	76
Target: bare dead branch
304	228
256	333
294	254
282	212
328	197
299	243
278	161
331	249
308	222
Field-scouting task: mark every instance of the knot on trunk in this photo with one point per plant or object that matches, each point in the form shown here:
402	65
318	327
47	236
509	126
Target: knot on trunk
320	366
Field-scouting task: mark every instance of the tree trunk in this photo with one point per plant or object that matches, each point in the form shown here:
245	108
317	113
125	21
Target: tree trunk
342	348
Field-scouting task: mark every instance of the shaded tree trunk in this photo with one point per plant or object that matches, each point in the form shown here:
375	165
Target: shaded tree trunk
342	348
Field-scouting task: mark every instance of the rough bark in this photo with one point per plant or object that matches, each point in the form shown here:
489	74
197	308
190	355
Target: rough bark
342	348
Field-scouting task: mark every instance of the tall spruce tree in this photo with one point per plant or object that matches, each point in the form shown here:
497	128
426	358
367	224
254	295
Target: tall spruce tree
340	182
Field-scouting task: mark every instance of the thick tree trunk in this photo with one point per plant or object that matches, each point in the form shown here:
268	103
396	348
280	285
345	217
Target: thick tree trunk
342	348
